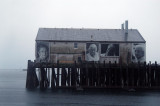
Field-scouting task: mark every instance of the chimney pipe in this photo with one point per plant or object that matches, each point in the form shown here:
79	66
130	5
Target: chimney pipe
122	27
126	27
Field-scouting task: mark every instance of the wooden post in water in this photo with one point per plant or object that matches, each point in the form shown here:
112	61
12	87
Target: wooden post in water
32	80
106	76
63	77
44	83
135	74
98	72
132	75
121	76
138	78
73	75
144	74
69	77
95	75
156	74
42	86
149	74
49	78
86	74
81	74
127	75
115	74
57	80
110	74
53	80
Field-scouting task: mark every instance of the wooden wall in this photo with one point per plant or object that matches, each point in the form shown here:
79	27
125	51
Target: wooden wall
66	53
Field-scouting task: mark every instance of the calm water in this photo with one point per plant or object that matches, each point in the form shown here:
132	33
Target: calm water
14	93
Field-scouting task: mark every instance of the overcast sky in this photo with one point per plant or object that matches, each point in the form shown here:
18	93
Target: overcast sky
20	20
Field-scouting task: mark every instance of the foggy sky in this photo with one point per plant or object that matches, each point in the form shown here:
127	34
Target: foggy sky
20	20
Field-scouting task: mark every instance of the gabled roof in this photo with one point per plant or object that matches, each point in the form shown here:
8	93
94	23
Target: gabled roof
98	35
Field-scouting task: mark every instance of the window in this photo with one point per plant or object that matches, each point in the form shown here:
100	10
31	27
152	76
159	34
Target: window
75	45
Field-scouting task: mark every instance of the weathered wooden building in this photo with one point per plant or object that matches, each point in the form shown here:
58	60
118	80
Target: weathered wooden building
72	44
103	46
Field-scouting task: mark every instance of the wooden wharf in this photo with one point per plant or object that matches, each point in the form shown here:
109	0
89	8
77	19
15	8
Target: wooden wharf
93	75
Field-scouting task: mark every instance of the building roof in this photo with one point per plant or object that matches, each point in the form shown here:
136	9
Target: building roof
85	35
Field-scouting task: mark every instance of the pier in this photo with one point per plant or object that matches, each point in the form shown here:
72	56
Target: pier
93	75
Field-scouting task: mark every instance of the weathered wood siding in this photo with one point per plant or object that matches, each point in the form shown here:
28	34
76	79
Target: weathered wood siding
125	52
66	48
65	52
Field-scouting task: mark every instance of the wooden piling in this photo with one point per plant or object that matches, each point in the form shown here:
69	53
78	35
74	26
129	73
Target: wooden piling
31	80
94	75
57	80
54	78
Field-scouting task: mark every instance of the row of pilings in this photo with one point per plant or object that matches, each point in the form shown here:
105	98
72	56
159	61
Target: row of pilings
93	75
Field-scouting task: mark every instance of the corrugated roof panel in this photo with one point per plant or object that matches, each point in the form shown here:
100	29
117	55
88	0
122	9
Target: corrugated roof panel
71	34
